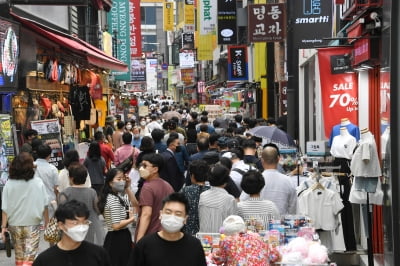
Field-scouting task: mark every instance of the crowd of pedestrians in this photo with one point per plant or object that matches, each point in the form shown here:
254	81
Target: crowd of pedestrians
188	175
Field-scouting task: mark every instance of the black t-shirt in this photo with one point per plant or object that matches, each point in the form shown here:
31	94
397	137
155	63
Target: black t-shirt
87	254
152	250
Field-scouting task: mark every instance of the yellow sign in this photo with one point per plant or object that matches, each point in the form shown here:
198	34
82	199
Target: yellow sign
168	9
107	43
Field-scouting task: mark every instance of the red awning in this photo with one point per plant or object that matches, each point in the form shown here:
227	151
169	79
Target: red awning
102	4
94	55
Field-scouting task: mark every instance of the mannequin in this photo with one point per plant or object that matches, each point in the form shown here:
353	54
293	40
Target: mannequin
366	188
342	149
344	122
343	144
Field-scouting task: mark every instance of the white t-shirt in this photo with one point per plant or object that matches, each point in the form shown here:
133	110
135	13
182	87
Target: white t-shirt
343	146
365	161
322	206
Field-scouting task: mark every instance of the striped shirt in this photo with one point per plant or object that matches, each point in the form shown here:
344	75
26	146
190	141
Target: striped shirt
256	209
215	205
114	211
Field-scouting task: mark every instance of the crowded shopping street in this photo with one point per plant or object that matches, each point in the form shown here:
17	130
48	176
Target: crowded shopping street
177	133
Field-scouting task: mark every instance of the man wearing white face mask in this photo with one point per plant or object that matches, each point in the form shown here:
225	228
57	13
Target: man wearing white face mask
72	249
169	246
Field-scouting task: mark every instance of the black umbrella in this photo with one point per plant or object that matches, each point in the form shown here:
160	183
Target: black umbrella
274	135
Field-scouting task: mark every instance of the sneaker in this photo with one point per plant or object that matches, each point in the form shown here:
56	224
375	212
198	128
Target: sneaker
7	243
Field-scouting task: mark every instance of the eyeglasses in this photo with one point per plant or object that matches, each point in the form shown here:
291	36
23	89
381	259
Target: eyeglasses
76	222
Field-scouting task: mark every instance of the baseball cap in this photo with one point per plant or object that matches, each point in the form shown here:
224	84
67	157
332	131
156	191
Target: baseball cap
232	143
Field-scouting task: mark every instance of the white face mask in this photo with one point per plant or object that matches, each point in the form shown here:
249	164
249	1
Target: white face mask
78	232
142	123
144	172
128	127
136	136
171	223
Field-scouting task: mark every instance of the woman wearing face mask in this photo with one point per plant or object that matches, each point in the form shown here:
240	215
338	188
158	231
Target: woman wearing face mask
144	131
115	204
72	217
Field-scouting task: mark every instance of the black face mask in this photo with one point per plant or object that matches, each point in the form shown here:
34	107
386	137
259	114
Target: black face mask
178	149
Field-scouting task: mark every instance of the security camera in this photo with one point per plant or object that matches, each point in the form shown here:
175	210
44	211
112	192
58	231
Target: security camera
373	15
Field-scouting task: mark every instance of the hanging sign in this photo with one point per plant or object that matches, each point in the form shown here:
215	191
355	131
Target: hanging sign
227	17
49	133
6	147
237	63
339	91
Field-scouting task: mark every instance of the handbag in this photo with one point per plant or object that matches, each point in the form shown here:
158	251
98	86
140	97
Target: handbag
93	115
127	164
52	233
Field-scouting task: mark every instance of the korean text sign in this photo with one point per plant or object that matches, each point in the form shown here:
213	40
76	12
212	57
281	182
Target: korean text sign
266	22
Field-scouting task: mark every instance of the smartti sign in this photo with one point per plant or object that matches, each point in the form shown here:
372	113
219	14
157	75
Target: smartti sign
312	21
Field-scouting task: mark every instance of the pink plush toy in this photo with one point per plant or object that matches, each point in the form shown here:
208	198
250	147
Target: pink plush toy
317	254
300	245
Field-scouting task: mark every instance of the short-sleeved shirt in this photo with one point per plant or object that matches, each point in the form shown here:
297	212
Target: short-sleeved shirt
152	194
49	175
115	211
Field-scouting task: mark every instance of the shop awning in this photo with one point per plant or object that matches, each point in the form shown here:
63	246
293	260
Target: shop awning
94	55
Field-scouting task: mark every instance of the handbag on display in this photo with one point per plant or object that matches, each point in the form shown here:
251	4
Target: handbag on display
52	233
93	115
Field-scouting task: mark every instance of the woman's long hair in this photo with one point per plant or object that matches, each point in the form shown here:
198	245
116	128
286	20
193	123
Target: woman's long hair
107	189
94	152
22	167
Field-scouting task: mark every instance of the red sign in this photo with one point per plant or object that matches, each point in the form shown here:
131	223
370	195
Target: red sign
385	95
361	51
266	22
339	91
135	28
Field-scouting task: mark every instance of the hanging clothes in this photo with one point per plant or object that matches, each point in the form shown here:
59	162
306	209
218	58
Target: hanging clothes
79	98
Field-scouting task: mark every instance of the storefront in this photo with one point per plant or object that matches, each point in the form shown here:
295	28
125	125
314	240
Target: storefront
54	83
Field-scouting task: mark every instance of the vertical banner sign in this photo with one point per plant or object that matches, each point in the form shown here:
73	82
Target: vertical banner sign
118	18
138	69
339	89
49	132
237	63
208	16
6	147
168	9
135	28
151	74
227	31
9	54
312	21
385	96
189	25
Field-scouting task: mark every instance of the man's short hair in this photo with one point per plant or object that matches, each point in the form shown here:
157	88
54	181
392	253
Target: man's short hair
219	175
204	119
155	159
203	128
203	143
127	138
43	151
273	145
176	197
157	134
71	210
249	143
30	132
78	173
252	182
120	124
198	168
238	118
213	138
98	136
171	139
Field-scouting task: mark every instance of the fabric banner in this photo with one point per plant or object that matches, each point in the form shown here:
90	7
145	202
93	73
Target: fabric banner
135	28
227	17
6	146
168	10
339	91
385	96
